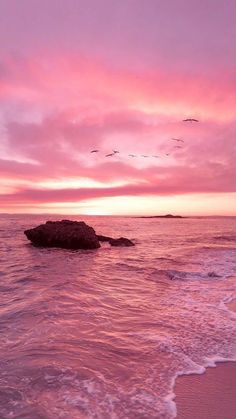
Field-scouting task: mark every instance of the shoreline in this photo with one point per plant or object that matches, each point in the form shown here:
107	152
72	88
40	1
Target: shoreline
211	395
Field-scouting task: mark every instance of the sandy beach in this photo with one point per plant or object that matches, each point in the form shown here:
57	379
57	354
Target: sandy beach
211	395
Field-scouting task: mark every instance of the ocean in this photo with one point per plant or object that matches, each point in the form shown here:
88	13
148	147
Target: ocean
104	333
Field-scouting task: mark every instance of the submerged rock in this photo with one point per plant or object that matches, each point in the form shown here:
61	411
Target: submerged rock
103	238
213	275
70	235
65	234
122	241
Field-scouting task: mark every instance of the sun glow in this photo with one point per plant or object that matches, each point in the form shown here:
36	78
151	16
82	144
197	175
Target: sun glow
75	183
187	205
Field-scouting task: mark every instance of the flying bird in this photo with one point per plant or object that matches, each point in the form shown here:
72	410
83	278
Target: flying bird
94	151
179	140
109	155
190	120
156	157
144	155
115	151
131	155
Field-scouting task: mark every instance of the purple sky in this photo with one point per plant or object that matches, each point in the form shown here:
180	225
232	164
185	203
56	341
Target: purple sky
183	33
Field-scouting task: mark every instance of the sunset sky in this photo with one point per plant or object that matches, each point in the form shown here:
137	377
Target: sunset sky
78	75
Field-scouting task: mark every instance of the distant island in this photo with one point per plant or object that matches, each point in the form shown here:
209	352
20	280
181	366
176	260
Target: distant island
162	216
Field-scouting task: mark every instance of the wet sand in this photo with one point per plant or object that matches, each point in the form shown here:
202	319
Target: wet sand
211	395
232	305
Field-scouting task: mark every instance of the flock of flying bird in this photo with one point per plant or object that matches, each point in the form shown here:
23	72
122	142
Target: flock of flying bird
178	140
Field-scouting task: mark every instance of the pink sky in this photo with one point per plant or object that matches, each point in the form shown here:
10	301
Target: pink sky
96	74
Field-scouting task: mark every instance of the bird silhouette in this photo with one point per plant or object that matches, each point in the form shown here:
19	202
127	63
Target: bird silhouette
109	155
179	140
156	157
115	151
144	155
131	155
190	120
94	151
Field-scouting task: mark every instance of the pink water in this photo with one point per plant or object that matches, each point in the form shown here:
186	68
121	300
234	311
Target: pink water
104	333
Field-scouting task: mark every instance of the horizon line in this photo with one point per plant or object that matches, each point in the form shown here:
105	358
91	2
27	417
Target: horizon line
118	215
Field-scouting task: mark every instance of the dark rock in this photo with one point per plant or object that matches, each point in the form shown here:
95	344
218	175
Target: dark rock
213	275
70	235
65	234
103	238
122	241
162	216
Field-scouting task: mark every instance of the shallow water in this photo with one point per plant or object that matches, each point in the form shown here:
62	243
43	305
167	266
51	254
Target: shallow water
104	333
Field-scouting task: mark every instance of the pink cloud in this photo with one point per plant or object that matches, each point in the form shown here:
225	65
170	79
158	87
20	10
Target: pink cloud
56	110
75	81
210	178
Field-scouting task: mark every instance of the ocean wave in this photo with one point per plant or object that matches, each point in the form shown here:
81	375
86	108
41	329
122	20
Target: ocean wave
105	334
176	275
229	238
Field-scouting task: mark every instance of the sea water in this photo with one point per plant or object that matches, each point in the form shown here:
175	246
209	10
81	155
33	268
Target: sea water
104	333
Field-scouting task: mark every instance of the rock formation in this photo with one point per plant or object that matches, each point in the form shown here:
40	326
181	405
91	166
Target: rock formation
103	238
66	234
70	235
162	216
122	241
